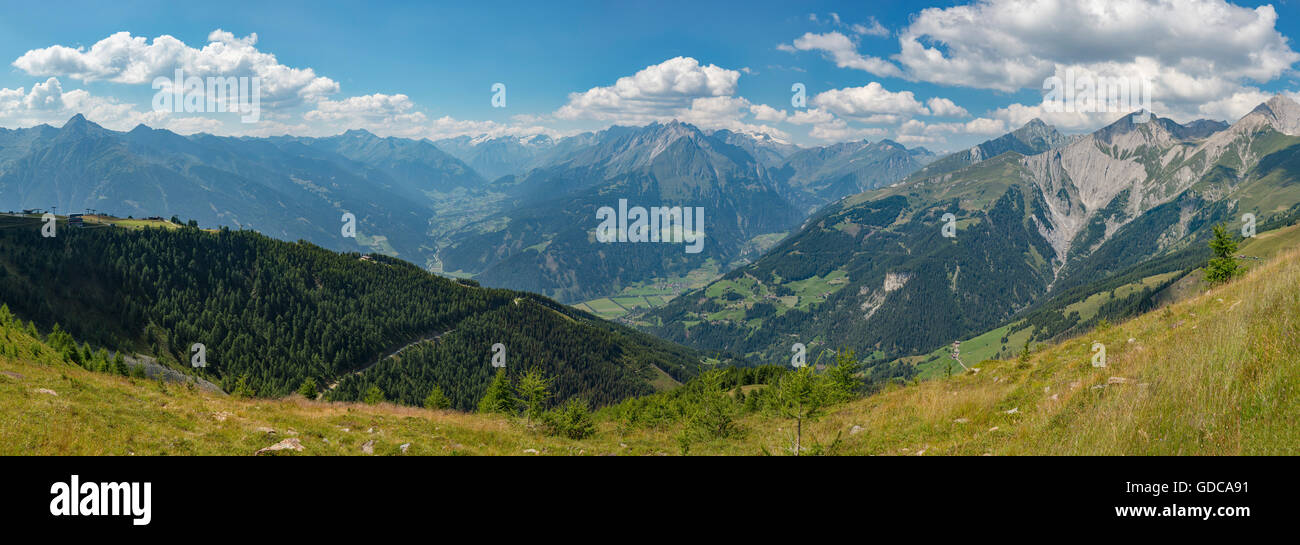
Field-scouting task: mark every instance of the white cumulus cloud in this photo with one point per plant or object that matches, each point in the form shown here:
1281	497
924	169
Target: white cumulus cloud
867	100
841	50
942	107
652	93
124	58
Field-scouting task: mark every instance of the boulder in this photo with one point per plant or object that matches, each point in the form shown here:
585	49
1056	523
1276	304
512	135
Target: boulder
291	443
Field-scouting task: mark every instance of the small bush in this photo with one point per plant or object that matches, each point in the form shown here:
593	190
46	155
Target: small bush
436	399
308	388
373	396
572	420
242	390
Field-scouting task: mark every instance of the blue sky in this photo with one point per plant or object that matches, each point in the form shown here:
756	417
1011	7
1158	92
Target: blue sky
943	75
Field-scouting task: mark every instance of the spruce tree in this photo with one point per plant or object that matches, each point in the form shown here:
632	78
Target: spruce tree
800	396
712	412
499	397
374	395
1025	352
242	389
842	379
1223	266
533	389
436	399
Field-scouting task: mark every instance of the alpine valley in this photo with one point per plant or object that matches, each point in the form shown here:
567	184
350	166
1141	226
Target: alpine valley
838	248
216	275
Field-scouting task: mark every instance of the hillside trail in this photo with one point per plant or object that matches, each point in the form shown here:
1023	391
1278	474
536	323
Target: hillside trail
389	354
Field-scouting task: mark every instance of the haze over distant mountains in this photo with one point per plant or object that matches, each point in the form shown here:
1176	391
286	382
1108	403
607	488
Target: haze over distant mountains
514	211
548	228
286	187
813	177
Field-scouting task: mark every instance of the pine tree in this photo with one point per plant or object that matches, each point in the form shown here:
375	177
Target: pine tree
374	395
800	396
842	379
242	388
533	389
754	401
499	397
436	399
712	412
1223	266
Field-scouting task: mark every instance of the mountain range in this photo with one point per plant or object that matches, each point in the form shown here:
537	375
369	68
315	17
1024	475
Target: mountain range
544	242
1046	216
286	187
840	245
515	212
812	177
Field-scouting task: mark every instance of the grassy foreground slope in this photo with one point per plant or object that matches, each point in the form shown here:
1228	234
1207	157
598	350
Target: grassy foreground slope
1149	285
1215	375
1218	374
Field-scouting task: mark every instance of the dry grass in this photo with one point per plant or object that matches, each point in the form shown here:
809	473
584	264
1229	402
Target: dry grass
1216	375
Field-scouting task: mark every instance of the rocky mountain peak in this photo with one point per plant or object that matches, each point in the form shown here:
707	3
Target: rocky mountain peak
359	133
1280	112
78	124
1038	135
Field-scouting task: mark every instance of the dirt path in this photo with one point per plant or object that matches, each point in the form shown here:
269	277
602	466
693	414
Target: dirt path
390	354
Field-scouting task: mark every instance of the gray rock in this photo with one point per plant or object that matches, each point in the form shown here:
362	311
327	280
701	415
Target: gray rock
291	443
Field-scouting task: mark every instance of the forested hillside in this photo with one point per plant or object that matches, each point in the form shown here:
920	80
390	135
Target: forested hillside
870	273
273	314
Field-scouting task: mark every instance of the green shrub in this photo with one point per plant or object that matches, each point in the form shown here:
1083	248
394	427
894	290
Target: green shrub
499	397
436	399
374	396
572	420
308	388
